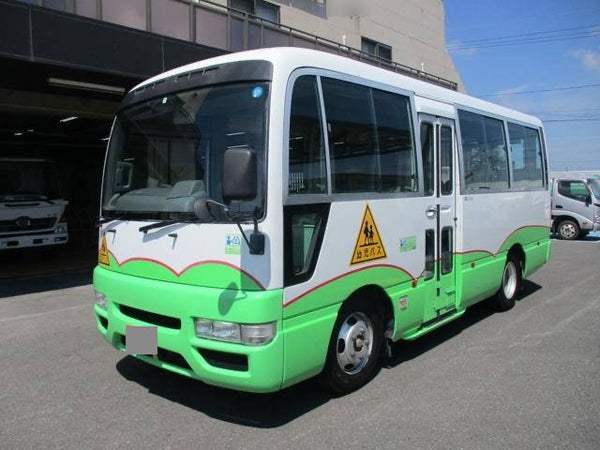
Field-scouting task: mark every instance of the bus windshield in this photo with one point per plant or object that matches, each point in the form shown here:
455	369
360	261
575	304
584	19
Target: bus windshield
28	180
167	152
594	184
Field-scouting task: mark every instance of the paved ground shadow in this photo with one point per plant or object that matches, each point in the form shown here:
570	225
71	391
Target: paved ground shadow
243	408
407	350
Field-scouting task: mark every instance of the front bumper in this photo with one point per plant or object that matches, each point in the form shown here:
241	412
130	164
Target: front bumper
33	240
172	306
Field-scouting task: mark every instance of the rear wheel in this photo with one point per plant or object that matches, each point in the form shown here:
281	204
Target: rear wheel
510	285
354	347
568	229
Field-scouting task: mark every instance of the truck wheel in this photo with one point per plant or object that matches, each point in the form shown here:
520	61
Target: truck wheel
509	288
568	229
354	347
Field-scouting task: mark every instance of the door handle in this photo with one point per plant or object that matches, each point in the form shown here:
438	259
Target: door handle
445	208
558	206
431	211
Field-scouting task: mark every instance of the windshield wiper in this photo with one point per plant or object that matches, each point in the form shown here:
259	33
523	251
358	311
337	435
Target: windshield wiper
152	226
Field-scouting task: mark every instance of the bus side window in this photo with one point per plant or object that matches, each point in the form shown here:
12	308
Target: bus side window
304	228
446	169
447	247
371	143
427	154
485	156
395	146
307	170
429	254
352	137
525	157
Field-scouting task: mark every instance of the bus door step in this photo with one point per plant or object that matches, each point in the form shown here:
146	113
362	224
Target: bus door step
431	325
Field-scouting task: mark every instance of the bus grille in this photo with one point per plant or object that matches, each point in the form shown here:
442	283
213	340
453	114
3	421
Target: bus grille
149	317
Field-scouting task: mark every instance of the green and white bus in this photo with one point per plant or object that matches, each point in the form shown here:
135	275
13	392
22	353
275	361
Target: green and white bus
285	213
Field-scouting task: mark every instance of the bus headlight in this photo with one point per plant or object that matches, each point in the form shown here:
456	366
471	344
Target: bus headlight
101	300
258	334
251	334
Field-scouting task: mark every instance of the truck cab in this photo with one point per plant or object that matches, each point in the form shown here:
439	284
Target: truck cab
31	204
575	207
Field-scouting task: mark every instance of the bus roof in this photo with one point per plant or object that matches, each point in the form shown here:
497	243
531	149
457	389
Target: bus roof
287	59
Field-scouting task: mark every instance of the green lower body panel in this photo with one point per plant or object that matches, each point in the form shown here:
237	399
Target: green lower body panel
172	307
536	255
306	343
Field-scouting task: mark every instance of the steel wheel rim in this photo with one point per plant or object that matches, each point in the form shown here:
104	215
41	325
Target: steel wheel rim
354	343
567	230
509	280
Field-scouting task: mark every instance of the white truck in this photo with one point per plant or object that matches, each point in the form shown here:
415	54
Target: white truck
31	204
575	206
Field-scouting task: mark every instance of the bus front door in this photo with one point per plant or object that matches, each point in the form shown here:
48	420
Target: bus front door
439	163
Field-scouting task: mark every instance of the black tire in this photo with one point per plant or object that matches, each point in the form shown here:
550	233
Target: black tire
568	230
361	324
510	285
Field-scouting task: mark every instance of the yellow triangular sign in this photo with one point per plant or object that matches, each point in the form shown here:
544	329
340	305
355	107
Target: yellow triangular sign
368	242
103	253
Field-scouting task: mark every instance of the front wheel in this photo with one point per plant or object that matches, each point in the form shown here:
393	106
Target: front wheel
568	230
353	349
509	287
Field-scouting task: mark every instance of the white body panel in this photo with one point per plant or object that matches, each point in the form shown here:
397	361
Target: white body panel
395	221
487	223
181	246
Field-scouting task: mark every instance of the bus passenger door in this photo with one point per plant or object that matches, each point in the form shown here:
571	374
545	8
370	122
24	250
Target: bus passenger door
439	162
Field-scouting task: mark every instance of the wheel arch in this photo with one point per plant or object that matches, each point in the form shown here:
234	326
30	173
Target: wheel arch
382	301
558	219
517	251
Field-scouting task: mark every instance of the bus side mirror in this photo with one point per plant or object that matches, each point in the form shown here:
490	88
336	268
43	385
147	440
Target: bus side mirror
240	181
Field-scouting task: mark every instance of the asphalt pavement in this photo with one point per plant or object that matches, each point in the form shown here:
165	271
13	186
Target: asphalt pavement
528	378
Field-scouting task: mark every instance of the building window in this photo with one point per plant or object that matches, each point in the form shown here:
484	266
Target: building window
375	48
315	7
258	8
